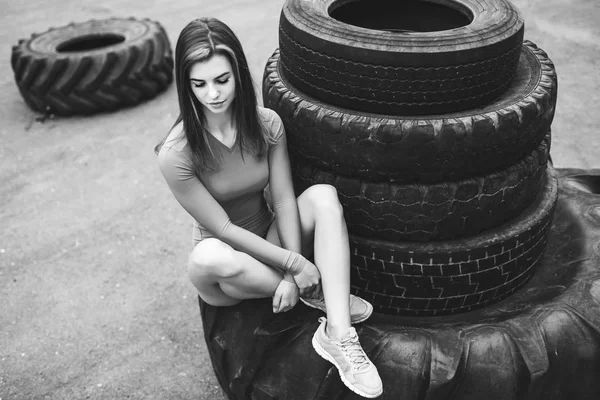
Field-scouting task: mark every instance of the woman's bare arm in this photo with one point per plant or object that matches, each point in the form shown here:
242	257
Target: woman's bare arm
201	205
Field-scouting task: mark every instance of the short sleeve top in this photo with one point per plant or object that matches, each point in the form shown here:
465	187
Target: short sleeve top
237	184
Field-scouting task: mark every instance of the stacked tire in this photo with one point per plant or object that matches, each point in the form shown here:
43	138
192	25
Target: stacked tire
541	343
436	141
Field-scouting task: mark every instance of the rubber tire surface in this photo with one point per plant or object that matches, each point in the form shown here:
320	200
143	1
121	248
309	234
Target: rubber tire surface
449	277
93	80
541	343
416	73
440	211
431	149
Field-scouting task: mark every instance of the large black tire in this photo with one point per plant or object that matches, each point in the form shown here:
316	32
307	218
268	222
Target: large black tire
344	53
432	149
541	343
98	65
448	277
439	211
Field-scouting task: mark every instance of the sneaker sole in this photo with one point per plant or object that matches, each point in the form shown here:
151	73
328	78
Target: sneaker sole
321	351
352	321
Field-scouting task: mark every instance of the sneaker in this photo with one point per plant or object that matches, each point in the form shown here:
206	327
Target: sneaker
360	309
355	368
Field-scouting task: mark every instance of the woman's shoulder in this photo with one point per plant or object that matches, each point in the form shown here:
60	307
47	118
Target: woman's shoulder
176	139
268	115
175	148
271	120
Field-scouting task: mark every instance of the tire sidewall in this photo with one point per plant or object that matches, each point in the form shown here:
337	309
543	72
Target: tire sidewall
132	31
496	26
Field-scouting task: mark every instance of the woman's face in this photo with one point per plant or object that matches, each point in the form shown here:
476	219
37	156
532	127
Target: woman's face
213	83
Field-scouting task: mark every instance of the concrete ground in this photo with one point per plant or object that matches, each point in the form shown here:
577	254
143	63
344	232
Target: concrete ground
95	302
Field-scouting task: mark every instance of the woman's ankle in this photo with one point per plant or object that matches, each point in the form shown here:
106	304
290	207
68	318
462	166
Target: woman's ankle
336	330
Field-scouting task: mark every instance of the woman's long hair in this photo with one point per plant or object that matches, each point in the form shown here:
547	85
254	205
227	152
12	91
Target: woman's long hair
199	41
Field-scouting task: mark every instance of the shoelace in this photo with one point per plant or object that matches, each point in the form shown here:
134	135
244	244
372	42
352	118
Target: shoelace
353	350
316	301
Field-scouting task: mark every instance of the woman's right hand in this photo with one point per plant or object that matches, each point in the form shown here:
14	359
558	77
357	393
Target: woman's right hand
308	281
306	275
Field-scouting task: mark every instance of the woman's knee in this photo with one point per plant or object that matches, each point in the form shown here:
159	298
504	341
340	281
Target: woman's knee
210	257
324	198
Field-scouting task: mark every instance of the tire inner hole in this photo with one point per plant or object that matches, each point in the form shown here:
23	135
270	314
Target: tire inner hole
400	16
90	42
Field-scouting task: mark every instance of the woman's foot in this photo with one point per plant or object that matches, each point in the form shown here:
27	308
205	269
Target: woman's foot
360	309
355	368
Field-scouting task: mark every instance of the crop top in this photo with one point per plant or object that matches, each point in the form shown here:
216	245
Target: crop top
229	203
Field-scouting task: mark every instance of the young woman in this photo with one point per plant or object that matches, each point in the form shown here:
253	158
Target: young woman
217	160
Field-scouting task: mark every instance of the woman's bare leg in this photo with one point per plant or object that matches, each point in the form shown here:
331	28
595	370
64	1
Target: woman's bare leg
224	276
323	226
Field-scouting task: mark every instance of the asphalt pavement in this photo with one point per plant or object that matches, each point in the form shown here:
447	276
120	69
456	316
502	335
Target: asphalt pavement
95	301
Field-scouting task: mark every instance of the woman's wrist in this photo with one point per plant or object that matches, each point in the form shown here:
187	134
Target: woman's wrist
293	263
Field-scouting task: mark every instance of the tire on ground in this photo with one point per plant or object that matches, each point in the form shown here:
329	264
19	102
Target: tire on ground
461	53
94	66
431	149
439	211
449	277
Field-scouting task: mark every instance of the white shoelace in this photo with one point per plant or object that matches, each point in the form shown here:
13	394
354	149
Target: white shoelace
354	352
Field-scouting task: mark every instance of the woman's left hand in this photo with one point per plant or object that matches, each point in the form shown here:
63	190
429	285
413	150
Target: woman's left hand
286	296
